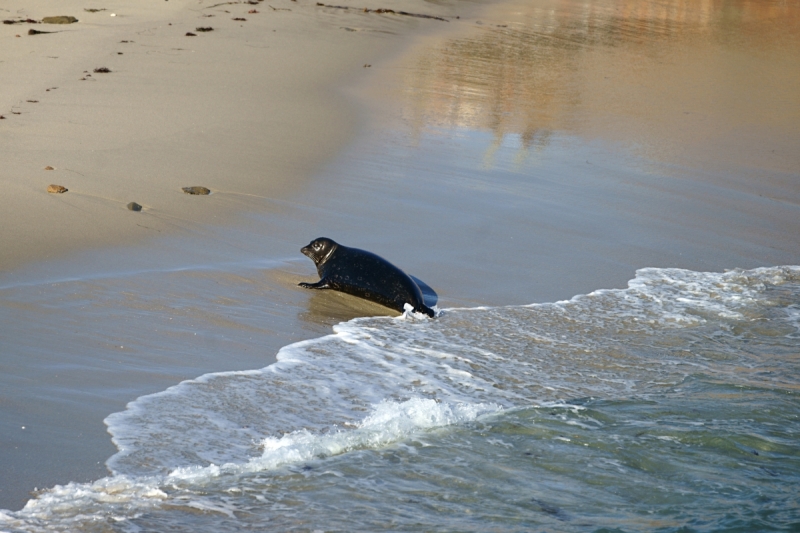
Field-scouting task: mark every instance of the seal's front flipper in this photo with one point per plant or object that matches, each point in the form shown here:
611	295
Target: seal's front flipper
321	284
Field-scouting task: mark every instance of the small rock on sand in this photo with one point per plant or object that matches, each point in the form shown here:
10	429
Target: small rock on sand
133	206
196	190
63	19
57	189
48	167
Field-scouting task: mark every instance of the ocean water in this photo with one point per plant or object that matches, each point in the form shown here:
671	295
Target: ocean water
671	405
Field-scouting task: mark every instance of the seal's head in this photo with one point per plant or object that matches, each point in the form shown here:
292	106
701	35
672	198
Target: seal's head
319	250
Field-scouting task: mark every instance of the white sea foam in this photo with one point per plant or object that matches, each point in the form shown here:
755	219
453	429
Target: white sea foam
387	423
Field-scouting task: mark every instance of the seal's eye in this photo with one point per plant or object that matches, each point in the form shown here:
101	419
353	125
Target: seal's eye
317	246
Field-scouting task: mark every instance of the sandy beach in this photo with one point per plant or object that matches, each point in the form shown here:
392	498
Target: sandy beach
522	152
250	108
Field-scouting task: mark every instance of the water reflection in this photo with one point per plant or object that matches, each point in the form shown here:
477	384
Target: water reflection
680	79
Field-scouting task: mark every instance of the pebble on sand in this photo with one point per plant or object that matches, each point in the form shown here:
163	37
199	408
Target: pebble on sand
196	190
63	19
48	167
133	206
57	189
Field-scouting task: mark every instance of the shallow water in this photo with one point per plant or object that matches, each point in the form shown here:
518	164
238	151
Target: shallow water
671	404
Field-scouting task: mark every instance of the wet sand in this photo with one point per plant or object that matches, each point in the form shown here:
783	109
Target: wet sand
529	153
612	136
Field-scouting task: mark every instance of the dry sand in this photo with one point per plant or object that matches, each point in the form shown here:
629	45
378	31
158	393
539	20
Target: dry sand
250	108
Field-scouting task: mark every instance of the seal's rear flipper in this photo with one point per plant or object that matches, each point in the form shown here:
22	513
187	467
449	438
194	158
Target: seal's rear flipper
425	311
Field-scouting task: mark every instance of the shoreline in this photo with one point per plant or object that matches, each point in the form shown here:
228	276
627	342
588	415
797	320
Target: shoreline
251	110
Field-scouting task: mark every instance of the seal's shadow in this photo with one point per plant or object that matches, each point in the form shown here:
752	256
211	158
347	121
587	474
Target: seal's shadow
331	307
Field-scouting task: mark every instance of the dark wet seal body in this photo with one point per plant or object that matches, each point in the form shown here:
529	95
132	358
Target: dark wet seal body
363	274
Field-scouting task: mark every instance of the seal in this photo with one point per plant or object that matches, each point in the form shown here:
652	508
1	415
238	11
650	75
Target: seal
363	274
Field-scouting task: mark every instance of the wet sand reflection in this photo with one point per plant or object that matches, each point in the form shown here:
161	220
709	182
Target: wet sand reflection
707	83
